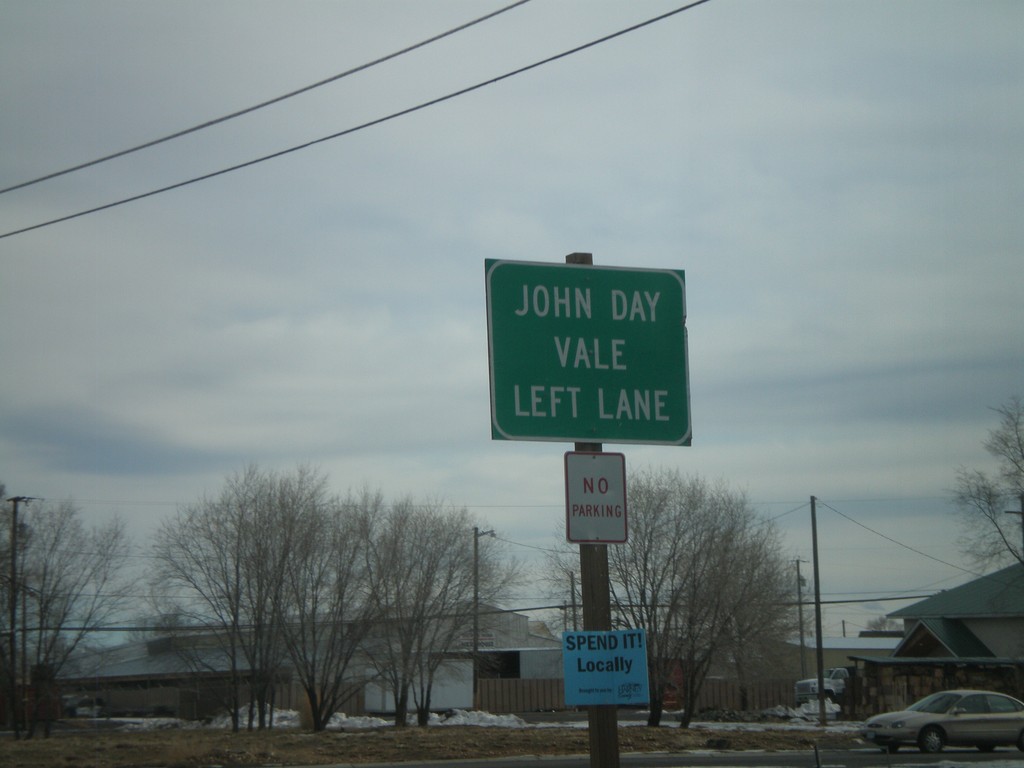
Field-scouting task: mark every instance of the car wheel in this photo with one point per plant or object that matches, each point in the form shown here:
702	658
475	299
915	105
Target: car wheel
1020	741
931	739
892	749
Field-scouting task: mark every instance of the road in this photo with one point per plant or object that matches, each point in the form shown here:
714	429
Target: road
855	758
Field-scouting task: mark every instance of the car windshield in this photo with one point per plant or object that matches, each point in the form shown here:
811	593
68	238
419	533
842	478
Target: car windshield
935	704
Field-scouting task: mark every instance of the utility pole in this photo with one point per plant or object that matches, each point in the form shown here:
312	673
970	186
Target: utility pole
572	597
820	656
602	719
477	533
800	615
13	617
1021	513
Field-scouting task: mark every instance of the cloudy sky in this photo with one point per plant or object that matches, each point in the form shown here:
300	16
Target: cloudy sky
840	181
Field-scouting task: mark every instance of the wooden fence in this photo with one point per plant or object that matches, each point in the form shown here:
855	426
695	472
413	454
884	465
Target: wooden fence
726	694
502	696
507	695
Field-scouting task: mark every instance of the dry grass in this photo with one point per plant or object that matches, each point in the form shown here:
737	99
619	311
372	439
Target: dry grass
195	748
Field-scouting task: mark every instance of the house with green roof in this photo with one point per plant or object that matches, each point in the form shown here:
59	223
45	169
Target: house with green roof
971	636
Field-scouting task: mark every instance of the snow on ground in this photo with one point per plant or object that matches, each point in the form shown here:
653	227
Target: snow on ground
289	718
462	717
785	719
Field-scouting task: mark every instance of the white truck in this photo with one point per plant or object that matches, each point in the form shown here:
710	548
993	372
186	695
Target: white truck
835	685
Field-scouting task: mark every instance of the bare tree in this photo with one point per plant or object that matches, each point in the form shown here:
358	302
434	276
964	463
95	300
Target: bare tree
326	607
267	550
228	554
883	624
69	582
8	648
198	551
990	535
647	575
700	573
419	559
762	618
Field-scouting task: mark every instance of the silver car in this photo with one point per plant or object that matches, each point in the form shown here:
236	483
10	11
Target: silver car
962	718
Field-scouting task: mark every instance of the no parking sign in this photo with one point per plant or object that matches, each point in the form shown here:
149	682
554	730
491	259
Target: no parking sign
595	497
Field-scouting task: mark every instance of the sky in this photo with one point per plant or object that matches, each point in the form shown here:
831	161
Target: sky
840	183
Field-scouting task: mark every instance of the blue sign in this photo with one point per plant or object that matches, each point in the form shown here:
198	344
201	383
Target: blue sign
605	667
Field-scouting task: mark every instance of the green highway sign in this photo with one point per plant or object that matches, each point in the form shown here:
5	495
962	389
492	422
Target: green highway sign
582	353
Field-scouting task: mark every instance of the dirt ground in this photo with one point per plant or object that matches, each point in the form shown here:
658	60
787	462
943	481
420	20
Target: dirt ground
200	748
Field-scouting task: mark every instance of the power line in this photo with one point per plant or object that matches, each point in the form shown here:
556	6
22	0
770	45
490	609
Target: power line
354	129
471	505
871	599
529	546
795	509
898	543
216	625
262	104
